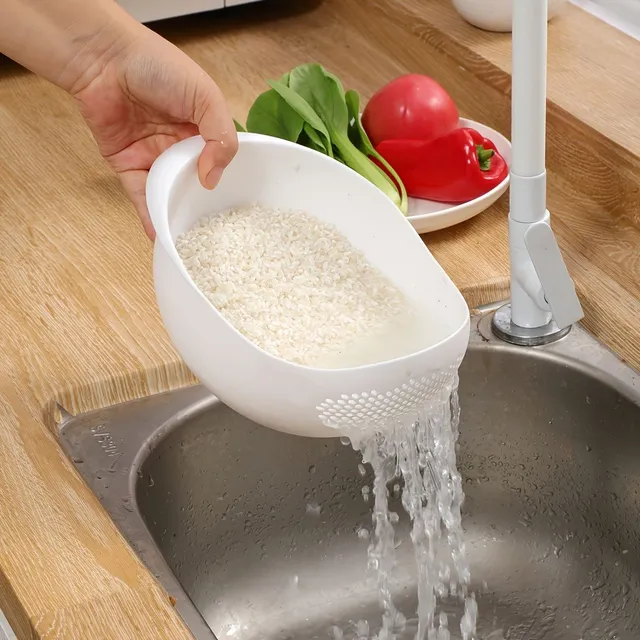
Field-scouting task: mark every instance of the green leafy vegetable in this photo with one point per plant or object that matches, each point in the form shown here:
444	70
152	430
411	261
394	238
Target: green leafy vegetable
323	92
360	139
303	109
309	105
300	72
238	126
315	140
272	116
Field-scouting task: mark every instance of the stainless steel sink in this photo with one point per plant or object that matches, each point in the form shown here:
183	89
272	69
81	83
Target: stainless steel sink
259	535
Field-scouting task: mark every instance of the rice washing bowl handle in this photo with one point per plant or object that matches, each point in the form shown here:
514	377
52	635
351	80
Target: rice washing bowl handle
161	180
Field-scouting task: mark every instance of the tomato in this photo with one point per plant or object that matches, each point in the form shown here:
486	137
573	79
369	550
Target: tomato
411	107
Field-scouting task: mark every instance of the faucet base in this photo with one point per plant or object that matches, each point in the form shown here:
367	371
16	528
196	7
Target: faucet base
504	329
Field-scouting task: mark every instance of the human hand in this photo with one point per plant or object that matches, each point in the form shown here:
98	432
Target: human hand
145	96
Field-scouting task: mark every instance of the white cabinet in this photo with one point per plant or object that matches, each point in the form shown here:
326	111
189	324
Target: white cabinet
235	3
150	10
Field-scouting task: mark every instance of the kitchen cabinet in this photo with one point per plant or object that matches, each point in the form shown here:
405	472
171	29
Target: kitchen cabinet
151	10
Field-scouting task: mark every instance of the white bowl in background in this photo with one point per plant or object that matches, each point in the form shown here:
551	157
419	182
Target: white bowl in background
495	15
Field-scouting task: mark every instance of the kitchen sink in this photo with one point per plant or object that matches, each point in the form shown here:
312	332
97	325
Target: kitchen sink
259	535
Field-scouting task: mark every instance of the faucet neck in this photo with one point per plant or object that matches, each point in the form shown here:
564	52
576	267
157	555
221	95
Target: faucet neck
544	303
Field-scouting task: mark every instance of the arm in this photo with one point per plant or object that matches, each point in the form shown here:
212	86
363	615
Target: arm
64	41
138	93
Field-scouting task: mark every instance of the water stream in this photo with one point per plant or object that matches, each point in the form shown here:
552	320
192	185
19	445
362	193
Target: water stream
417	455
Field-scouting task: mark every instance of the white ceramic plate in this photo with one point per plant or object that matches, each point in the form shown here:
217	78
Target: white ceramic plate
427	215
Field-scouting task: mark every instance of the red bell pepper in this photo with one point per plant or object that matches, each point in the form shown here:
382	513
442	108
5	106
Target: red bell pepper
457	167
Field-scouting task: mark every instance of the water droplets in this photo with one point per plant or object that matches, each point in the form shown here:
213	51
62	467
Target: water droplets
314	509
363	533
362	629
468	622
337	633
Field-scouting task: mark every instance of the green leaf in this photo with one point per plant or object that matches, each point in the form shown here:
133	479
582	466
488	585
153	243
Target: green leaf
360	139
304	110
356	130
304	69
272	116
323	92
357	134
315	138
306	141
239	127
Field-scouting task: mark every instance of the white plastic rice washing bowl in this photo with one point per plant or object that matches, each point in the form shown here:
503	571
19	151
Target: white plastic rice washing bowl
270	391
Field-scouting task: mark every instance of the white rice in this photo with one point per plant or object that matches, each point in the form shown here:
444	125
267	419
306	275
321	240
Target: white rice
291	284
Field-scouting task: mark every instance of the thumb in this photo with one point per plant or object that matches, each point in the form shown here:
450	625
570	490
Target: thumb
216	126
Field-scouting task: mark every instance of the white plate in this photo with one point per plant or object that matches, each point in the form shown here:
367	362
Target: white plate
427	215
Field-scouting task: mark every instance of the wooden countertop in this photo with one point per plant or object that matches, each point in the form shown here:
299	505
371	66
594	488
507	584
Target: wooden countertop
79	324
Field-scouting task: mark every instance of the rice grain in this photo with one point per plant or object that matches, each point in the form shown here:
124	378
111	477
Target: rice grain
293	285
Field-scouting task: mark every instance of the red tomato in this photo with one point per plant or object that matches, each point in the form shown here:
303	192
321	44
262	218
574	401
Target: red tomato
411	107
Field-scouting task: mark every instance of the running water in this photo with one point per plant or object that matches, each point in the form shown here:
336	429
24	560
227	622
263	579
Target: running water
420	450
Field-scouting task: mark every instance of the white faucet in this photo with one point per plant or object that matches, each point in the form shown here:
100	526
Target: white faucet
544	303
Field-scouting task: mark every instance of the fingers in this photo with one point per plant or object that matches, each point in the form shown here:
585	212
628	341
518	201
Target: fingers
213	160
217	128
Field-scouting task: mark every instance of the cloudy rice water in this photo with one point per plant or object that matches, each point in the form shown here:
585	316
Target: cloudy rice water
298	289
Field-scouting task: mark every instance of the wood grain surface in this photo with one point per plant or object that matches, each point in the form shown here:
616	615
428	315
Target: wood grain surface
78	322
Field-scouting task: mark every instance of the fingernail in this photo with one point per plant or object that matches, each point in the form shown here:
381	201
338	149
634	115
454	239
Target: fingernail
213	177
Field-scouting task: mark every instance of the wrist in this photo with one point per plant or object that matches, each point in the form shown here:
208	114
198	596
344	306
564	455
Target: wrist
95	43
68	41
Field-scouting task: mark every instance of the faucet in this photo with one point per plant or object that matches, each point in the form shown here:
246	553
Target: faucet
544	304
